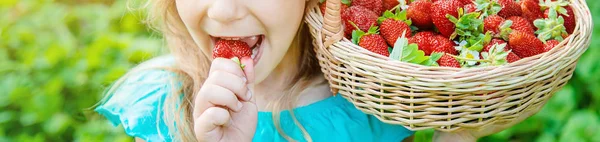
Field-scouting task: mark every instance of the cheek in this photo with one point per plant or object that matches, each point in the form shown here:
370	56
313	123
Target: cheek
284	15
190	11
281	18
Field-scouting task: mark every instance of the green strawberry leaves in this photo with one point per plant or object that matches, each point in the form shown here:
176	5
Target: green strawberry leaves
398	16
488	7
410	53
357	34
467	25
551	28
469	28
505	29
495	57
346	2
557	6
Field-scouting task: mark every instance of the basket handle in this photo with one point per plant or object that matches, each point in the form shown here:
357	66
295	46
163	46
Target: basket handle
332	23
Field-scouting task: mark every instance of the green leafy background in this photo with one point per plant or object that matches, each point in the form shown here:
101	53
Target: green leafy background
58	56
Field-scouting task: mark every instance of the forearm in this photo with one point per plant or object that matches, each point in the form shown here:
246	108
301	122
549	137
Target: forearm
439	136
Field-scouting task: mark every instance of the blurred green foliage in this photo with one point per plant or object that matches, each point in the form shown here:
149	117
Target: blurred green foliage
57	57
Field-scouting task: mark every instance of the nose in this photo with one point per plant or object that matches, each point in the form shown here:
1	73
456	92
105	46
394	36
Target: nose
226	11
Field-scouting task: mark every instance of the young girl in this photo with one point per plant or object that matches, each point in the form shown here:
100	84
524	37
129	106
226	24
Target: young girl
280	95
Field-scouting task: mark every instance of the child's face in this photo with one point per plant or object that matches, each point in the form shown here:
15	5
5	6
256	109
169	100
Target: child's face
271	24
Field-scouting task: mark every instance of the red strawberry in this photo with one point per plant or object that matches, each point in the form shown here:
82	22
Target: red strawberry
512	57
471	7
521	24
373	5
439	10
389	4
509	8
423	40
466	2
393	25
323	5
492	23
493	42
525	44
448	61
392	29
231	48
419	13
443	44
569	20
362	17
531	10
550	44
371	41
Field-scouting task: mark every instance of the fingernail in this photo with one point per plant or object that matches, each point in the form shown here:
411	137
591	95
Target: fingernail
244	79
239	106
249	94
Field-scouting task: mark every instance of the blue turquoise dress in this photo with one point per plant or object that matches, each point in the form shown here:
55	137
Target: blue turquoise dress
136	105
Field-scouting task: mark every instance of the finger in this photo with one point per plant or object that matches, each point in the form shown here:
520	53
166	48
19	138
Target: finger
222	64
248	69
210	121
214	95
231	82
249	72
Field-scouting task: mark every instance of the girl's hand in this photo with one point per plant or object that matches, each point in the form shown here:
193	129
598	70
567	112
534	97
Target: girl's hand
224	109
471	135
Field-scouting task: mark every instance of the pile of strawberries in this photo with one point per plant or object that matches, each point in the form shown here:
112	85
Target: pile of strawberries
457	33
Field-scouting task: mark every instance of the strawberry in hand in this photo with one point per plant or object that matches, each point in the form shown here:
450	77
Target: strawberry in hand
236	50
231	48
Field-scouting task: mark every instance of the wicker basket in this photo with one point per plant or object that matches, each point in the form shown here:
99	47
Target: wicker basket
446	99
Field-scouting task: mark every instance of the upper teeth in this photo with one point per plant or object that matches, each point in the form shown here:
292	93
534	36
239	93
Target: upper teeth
231	38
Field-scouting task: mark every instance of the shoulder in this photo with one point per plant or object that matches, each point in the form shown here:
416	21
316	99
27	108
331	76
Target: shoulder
136	100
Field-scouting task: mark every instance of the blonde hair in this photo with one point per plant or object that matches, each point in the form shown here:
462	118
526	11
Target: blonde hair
192	67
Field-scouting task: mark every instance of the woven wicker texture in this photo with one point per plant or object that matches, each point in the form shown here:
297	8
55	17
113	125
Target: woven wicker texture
446	99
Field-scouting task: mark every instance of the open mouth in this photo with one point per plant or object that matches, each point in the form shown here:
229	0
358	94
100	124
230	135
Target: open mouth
254	42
